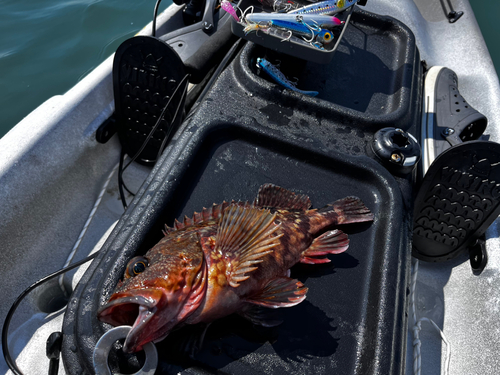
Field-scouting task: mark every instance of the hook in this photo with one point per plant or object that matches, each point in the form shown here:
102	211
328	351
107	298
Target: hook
288	37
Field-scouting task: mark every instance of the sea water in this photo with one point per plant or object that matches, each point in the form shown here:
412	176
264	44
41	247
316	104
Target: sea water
486	12
47	46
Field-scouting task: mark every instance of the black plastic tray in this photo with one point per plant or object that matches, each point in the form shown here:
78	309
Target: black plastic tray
353	319
247	131
373	81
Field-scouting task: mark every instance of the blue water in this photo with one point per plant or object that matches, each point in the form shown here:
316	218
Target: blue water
46	46
487	12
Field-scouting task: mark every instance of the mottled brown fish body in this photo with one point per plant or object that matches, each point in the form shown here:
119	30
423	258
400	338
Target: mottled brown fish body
293	236
229	258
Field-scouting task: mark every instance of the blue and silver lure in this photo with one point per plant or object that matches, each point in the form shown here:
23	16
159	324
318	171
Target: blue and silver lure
325	22
325	7
299	28
279	77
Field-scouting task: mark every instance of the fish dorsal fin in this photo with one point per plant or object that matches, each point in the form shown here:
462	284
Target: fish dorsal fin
275	196
167	230
213	213
280	292
244	237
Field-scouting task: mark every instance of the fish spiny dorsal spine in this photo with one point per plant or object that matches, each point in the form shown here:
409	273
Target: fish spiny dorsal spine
270	195
213	213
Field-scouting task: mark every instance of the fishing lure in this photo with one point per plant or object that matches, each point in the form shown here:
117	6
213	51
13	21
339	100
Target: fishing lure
325	22
281	5
226	5
279	77
323	37
325	7
304	30
254	26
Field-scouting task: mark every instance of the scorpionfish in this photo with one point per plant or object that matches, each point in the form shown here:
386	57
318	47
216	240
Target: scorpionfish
231	258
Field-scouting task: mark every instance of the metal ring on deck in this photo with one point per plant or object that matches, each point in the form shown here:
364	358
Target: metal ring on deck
104	345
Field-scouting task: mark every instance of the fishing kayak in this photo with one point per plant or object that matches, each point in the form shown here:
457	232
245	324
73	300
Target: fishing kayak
77	181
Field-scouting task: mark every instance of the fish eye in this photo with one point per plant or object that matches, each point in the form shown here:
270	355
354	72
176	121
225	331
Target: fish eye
136	266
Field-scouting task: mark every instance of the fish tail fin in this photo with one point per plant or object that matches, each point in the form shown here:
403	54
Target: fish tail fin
346	211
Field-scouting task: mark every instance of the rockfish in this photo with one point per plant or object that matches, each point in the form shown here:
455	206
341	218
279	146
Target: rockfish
232	257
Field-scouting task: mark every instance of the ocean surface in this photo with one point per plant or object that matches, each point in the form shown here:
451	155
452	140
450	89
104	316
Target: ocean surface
46	46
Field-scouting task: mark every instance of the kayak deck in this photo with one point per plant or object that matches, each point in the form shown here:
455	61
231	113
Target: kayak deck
51	175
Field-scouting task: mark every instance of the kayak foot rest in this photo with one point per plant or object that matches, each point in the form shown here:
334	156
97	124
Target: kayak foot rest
149	84
458	200
150	78
459	197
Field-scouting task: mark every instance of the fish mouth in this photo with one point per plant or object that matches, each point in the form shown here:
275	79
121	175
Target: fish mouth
132	310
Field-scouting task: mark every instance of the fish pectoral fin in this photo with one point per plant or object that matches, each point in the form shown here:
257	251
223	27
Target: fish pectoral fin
280	292
245	235
262	316
331	242
274	196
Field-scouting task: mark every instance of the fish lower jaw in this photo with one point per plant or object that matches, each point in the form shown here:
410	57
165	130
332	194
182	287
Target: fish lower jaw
132	343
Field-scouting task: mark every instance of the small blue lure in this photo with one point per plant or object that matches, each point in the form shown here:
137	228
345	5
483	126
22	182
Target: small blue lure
279	77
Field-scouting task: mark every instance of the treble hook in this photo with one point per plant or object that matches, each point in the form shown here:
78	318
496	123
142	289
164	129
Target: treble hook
312	33
274	4
316	26
287	39
244	14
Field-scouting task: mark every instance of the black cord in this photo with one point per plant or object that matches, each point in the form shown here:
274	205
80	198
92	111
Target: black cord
154	17
120	174
169	131
121	169
5	331
121	184
150	135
